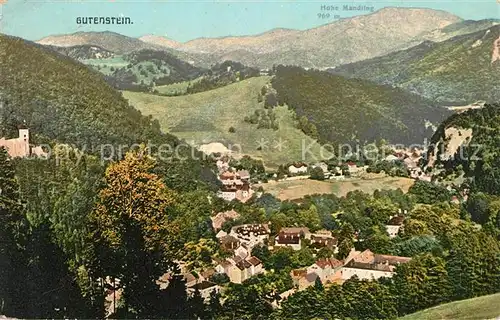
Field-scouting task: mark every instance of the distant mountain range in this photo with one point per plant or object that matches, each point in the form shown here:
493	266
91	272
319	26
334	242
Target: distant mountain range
344	41
460	70
110	41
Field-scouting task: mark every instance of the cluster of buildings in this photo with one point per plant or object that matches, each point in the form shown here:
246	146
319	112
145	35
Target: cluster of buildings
295	237
411	159
239	243
20	146
235	185
365	265
240	265
194	282
301	168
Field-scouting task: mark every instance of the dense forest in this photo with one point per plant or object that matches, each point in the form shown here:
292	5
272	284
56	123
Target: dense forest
348	110
222	74
63	101
148	68
479	157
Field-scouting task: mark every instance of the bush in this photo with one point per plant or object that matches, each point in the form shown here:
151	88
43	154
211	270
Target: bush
317	174
232	130
219	278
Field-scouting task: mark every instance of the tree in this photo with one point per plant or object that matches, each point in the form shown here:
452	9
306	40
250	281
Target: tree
131	226
377	239
478	205
174	301
10	222
232	130
345	248
31	262
317	174
270	100
421	283
381	209
196	305
293	306
428	192
318	285
325	253
309	218
198	254
346	232
214	307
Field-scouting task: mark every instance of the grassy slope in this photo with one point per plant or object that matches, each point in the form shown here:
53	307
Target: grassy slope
486	307
207	116
106	64
457	70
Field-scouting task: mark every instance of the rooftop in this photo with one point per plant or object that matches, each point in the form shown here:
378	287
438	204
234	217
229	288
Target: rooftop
396	221
288	238
302	230
203	285
246	229
254	261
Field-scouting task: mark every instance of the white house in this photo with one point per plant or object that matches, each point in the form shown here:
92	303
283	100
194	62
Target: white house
239	269
298	168
370	266
394	225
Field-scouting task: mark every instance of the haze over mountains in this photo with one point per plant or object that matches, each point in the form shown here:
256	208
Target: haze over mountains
340	42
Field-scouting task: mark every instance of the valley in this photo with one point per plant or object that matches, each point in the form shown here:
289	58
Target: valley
206	117
268	166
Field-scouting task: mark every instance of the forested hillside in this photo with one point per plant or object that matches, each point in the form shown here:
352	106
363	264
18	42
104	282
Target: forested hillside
143	70
83	52
57	213
478	158
344	110
461	70
62	100
222	74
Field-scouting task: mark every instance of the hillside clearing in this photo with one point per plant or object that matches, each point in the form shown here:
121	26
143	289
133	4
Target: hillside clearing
486	307
206	117
296	189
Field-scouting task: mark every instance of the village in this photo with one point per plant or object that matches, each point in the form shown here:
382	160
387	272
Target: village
239	241
241	264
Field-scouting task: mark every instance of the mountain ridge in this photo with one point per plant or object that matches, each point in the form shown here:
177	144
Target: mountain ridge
327	45
460	70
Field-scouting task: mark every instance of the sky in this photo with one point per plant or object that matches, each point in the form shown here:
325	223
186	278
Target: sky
187	20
